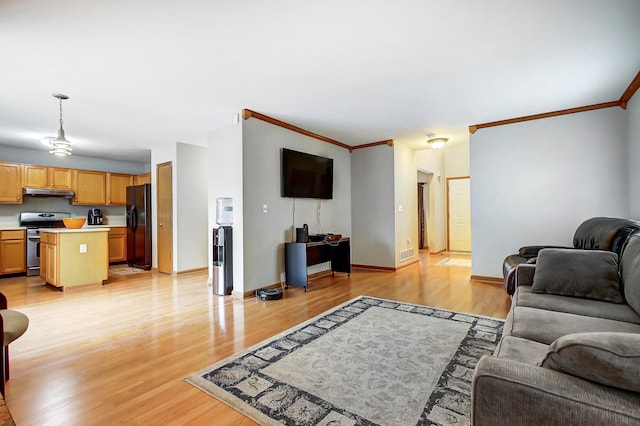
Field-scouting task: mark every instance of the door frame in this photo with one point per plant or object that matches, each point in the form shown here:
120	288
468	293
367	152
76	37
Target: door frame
447	205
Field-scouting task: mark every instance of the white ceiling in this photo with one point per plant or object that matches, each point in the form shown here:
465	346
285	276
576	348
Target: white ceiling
145	73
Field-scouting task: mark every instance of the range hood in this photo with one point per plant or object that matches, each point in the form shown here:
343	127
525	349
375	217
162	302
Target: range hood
39	192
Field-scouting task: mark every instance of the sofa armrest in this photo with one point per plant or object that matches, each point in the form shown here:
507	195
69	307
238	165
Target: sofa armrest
524	274
529	252
512	393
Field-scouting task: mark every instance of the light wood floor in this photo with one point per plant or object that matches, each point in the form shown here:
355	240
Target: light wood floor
118	354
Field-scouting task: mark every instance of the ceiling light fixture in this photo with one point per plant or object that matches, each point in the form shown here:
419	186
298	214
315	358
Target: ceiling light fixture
60	146
437	143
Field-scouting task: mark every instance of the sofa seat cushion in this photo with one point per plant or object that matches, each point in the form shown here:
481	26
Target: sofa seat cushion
545	326
524	296
590	274
612	359
521	350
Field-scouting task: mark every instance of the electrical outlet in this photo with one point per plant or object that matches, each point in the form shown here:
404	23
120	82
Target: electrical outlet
83	248
264	208
400	208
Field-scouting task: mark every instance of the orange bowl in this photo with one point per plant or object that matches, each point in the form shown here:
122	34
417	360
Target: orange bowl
74	222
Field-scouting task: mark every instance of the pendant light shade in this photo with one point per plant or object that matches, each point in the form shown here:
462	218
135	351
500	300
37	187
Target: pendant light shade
60	145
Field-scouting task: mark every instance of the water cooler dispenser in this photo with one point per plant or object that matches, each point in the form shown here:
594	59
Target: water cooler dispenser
223	248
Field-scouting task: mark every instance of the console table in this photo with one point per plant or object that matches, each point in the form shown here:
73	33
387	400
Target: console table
298	256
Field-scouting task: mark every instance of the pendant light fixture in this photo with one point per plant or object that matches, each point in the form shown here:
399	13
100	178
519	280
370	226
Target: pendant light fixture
60	146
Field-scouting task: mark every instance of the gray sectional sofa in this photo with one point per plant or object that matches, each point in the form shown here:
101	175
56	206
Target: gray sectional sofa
570	352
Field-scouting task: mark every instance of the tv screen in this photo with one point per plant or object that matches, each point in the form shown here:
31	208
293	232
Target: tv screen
306	175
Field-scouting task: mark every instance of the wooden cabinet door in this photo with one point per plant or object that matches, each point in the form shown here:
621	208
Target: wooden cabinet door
59	178
89	187
51	272
11	187
117	188
117	245
142	179
44	260
12	256
46	177
35	176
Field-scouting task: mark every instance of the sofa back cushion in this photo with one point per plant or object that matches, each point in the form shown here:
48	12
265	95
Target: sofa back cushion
590	274
604	233
630	272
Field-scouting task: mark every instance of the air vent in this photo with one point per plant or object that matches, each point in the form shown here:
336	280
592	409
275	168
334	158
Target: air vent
406	254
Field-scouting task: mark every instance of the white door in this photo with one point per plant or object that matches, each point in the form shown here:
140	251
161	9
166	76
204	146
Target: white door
459	196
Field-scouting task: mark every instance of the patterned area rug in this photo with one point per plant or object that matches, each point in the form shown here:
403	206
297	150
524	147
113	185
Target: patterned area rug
5	416
369	361
125	270
451	261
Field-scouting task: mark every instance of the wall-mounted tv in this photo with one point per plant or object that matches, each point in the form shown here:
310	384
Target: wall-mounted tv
306	175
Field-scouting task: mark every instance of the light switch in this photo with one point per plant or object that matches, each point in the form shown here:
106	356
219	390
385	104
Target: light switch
83	248
264	208
400	208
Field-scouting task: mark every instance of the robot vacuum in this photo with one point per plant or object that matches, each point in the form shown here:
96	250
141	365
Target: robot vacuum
269	294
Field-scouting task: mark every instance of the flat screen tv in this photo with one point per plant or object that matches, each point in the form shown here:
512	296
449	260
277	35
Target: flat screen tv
306	175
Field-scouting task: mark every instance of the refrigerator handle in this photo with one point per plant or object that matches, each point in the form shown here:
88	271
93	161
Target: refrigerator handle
132	218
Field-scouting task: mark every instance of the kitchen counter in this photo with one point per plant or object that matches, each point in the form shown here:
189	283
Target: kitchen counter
71	231
74	257
8	226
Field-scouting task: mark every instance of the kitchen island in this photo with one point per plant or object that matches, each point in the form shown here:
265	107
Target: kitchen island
74	257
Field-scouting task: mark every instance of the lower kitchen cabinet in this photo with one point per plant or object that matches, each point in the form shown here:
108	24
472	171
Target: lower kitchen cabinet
12	252
71	257
117	245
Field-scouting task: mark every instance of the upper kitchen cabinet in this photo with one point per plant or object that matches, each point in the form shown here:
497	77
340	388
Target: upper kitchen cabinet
117	188
46	177
89	187
142	179
11	187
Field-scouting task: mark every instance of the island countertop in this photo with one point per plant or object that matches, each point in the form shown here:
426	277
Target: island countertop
72	231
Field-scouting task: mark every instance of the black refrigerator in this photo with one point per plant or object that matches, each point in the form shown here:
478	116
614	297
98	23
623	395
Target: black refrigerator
139	226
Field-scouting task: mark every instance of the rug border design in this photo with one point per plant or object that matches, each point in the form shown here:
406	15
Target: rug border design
197	379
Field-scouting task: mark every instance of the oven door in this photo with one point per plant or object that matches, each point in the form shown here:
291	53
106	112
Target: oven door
33	252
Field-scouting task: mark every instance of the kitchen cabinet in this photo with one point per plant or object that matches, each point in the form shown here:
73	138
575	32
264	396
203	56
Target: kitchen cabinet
11	187
117	245
12	252
73	257
35	176
89	187
117	188
48	257
142	179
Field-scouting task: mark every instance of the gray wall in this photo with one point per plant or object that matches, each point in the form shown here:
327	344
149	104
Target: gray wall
633	110
534	182
225	177
372	200
192	198
43	158
405	195
266	233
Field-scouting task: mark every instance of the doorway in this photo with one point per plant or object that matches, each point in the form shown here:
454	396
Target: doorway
164	196
459	213
425	224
